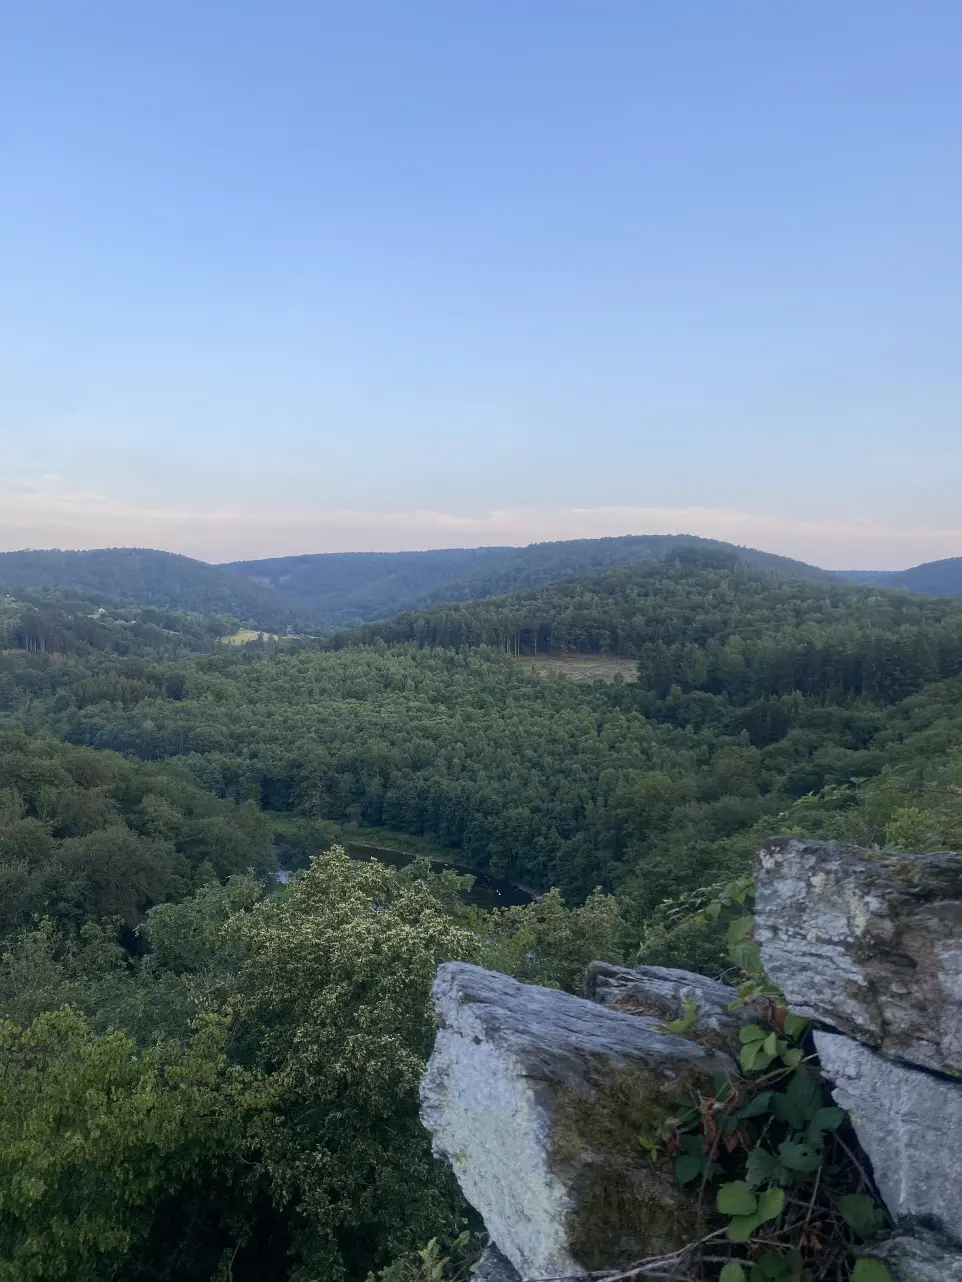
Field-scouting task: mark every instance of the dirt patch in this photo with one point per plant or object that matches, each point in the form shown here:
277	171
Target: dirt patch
584	667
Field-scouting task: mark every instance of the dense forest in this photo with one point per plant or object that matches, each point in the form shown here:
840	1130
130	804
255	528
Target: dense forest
207	1075
313	593
352	587
144	577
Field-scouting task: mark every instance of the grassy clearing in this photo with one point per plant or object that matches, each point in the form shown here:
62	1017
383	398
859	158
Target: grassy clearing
584	667
243	635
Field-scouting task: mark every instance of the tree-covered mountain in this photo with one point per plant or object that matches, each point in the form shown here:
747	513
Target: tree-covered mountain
684	618
346	588
307	593
934	578
144	577
316	592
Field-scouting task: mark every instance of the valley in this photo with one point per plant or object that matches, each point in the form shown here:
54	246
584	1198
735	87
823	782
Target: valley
231	858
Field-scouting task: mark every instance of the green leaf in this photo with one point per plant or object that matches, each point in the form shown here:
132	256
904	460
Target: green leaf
799	1157
732	1272
862	1214
758	1104
769	1207
688	1168
771	1044
747	956
792	1058
826	1119
748	1054
870	1271
751	1033
741	1227
739	930
773	1267
760	1167
804	1091
771	1204
795	1026
736	1198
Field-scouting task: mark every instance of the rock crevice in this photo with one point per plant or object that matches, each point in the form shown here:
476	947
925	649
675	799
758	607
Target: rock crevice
538	1098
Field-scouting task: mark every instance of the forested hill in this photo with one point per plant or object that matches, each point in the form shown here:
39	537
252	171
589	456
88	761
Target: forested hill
145	577
243	1064
54	628
316	592
353	587
934	578
699	625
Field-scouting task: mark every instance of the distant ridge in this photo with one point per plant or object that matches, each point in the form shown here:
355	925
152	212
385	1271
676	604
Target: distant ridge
933	578
317	591
346	588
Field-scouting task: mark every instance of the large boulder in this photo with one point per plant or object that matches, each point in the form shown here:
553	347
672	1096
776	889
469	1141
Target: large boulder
923	1256
867	941
538	1100
493	1267
909	1123
662	992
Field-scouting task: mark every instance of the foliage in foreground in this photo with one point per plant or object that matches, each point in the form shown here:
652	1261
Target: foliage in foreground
778	1159
239	1099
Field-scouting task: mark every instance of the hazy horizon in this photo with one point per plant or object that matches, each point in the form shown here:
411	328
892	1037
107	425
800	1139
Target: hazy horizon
284	548
289	278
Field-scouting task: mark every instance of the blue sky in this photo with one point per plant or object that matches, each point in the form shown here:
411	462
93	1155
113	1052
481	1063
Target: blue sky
284	277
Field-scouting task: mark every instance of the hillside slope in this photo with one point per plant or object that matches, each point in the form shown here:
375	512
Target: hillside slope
346	588
332	590
933	578
146	577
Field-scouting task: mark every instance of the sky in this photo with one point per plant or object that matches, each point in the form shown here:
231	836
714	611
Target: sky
282	277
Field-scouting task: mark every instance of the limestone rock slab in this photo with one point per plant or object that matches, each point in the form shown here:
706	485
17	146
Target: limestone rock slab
909	1123
537	1099
660	991
920	1257
867	941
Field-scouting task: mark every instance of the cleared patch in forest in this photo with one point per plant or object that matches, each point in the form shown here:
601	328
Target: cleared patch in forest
243	635
583	667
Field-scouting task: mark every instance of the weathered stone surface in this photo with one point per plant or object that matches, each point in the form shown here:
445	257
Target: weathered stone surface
922	1257
909	1122
660	991
537	1099
869	942
493	1267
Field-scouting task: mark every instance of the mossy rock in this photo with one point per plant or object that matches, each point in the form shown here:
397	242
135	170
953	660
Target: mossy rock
539	1100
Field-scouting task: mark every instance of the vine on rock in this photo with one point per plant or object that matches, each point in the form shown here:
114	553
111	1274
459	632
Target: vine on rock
767	1151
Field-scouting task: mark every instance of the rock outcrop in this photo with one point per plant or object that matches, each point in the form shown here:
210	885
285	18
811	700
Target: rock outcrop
868	942
538	1099
910	1126
493	1267
661	992
922	1256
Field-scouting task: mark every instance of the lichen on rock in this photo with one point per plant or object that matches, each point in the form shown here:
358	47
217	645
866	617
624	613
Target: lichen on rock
539	1100
867	941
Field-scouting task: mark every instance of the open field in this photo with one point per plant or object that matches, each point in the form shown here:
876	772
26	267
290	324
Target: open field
584	667
243	635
